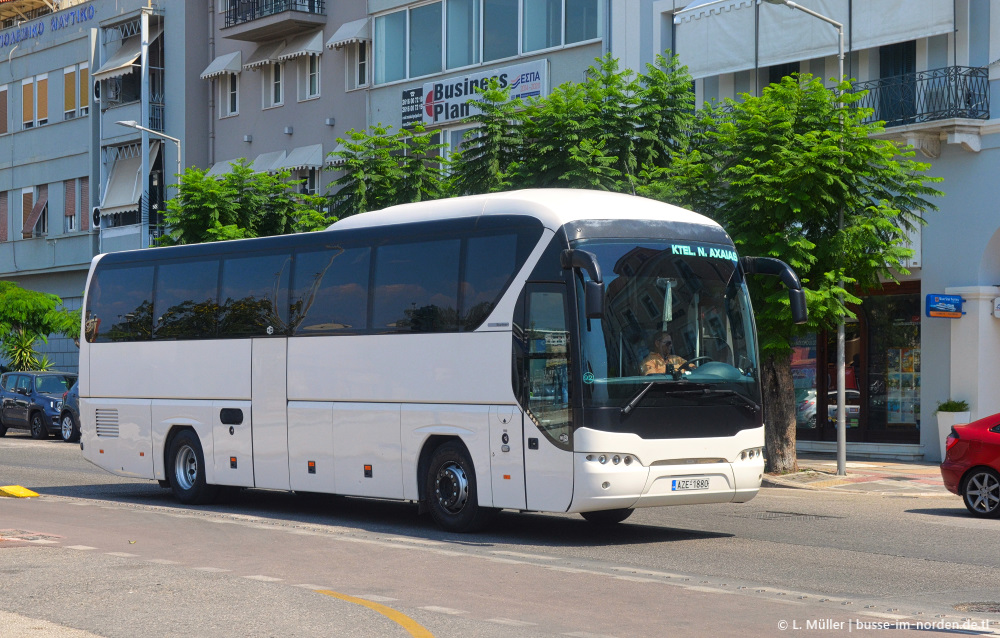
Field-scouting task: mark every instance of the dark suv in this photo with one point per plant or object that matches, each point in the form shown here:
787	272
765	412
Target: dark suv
33	401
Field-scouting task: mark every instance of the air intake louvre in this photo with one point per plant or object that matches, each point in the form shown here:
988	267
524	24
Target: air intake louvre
107	422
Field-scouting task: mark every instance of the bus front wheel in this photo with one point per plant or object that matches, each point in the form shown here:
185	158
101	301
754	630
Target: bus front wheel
186	470
607	517
450	490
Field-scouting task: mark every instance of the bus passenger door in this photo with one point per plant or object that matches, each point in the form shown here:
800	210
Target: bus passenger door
269	363
548	445
507	456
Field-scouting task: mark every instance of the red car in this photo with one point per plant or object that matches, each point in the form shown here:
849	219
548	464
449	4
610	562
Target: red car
971	467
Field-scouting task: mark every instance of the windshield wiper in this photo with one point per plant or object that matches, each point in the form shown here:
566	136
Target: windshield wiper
686	388
678	387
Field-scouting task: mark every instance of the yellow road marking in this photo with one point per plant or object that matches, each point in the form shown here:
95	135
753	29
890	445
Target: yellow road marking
414	628
16	491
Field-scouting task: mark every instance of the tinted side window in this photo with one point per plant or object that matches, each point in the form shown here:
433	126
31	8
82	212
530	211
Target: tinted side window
330	291
119	304
187	304
254	295
489	266
416	286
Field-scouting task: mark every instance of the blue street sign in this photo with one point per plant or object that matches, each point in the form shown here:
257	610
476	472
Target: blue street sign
949	306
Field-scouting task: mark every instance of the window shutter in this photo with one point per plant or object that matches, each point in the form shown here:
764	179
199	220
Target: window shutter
3	215
26	200
69	91
84	88
85	203
3	111
27	102
69	191
43	99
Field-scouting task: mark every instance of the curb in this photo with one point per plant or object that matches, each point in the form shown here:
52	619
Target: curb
774	481
16	491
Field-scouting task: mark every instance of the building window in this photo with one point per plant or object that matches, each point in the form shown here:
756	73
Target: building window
309	78
309	186
357	66
430	38
35	101
230	99
76	91
274	94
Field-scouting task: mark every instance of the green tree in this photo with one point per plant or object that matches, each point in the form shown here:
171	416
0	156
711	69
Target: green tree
28	317
777	171
241	204
600	133
490	151
380	168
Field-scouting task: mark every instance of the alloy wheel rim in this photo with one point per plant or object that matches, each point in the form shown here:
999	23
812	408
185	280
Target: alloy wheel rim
983	492
67	427
36	425
451	486
186	467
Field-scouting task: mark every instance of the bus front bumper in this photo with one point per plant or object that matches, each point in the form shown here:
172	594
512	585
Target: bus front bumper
603	486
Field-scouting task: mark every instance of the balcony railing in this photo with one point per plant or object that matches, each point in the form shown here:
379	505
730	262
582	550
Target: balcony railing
240	11
927	96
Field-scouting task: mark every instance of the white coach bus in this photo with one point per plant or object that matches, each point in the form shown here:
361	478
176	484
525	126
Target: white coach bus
546	350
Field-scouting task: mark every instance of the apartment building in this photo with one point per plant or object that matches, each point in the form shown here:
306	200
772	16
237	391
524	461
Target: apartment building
75	183
931	70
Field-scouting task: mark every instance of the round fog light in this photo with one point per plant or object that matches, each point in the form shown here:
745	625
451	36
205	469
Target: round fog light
628	460
605	485
616	459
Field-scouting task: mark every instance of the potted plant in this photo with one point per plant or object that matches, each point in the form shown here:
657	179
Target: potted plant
949	413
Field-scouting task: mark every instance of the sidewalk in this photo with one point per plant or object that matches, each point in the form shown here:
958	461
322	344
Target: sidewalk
819	472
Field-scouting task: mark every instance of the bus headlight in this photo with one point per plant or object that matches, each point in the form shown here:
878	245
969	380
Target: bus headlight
602	459
752	454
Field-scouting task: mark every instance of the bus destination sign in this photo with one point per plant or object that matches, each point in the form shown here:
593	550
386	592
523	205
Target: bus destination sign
948	306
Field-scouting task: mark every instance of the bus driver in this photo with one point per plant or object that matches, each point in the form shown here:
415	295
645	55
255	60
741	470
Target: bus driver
661	356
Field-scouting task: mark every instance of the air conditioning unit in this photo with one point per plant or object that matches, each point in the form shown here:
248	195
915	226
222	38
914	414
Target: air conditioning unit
97	91
96	217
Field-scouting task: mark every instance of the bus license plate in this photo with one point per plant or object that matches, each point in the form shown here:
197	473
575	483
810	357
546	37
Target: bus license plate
689	484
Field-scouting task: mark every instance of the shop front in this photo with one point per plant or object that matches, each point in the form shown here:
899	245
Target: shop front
882	381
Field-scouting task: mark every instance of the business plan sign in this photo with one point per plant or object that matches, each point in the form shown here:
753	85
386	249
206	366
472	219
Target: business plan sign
454	98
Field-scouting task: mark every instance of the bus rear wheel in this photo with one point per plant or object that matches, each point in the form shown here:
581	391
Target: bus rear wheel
186	470
607	517
450	491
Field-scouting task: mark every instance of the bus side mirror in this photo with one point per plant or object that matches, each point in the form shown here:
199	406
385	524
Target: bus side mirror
593	289
778	268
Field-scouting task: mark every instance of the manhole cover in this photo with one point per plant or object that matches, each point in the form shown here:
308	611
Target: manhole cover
979	608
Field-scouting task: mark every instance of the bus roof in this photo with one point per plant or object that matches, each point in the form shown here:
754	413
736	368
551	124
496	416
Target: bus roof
554	207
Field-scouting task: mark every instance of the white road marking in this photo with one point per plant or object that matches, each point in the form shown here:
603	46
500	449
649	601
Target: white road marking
444	610
264	579
212	570
521	555
587	634
82	548
121	554
311	586
376	599
162	561
45	541
511	623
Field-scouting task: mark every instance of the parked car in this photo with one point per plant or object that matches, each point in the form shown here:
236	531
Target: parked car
971	467
69	420
33	401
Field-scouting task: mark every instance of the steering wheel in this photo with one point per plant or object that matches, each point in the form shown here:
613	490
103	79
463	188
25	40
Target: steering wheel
690	363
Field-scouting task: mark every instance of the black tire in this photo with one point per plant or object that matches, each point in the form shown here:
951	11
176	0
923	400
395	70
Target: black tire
69	429
186	470
3	430
607	517
39	430
450	491
981	492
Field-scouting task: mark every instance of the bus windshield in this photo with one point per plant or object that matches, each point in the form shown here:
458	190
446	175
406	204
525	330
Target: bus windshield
677	321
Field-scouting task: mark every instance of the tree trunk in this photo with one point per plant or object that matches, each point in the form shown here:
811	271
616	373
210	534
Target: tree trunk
779	414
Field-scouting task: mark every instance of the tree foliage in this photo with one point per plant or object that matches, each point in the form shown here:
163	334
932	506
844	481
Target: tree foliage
778	171
240	204
27	317
380	168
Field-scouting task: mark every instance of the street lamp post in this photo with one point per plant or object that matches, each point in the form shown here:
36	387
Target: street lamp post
136	125
841	346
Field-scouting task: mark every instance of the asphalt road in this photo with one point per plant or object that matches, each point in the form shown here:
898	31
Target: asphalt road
117	557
